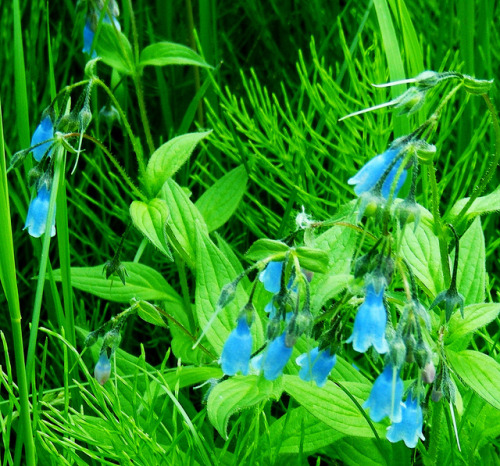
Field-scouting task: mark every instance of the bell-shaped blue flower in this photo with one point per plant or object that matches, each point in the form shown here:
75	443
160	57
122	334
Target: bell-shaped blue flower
43	132
274	359
36	220
370	174
237	349
102	369
370	323
316	365
386	396
410	428
88	38
271	276
89	32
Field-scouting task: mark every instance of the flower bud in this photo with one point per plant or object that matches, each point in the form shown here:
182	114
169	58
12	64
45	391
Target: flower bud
91	339
429	373
102	369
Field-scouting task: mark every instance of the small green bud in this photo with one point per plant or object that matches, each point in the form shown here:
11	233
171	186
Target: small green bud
109	114
34	175
397	352
84	118
273	328
90	339
18	158
477	86
114	266
299	323
428	372
411	101
112	339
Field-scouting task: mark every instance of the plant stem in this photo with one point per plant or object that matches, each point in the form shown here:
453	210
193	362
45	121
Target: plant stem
9	285
438	229
437	412
142	110
495	158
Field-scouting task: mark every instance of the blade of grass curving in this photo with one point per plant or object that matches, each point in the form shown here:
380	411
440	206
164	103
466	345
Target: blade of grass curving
22	114
394	61
9	284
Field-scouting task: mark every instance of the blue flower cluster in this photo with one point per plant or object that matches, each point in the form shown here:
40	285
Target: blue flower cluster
36	220
316	364
386	401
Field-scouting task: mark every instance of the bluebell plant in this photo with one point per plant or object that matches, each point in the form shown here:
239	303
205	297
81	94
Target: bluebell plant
316	365
409	428
92	19
37	218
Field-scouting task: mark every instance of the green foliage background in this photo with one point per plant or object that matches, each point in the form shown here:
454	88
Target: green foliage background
285	72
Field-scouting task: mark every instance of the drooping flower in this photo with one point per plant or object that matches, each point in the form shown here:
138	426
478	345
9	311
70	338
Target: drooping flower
43	132
90	28
370	174
237	349
102	369
274	359
386	396
410	428
36	220
271	276
316	365
370	323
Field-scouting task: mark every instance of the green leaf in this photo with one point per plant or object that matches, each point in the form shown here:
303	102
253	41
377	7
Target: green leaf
219	202
312	259
213	271
263	248
332	406
482	205
475	316
298	431
168	158
235	394
170	53
114	49
480	372
471	277
339	242
143	282
370	452
146	311
184	221
151	219
421	251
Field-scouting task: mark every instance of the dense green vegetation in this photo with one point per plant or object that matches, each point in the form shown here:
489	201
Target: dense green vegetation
260	103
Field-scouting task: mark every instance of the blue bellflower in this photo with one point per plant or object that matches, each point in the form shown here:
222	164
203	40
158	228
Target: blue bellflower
237	349
410	427
316	365
271	276
370	323
370	174
43	132
274	359
36	220
102	369
385	397
89	32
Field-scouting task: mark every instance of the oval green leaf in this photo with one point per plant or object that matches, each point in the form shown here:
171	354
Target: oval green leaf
170	53
151	219
169	157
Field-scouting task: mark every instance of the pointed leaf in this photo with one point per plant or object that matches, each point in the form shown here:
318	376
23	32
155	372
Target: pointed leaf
263	248
471	276
151	219
170	53
213	271
332	406
169	157
114	49
475	316
143	282
313	259
183	222
219	202
421	251
146	311
480	372
235	394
